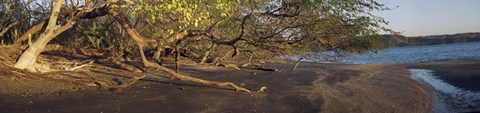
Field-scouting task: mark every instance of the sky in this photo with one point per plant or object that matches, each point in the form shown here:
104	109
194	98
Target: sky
432	17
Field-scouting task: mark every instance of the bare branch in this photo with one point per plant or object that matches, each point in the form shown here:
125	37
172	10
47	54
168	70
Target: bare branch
4	30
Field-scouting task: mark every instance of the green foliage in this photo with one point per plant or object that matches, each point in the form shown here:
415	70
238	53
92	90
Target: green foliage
288	27
185	14
266	28
344	26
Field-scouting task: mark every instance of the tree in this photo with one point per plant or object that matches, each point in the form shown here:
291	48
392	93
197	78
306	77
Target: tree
29	57
186	15
14	13
261	28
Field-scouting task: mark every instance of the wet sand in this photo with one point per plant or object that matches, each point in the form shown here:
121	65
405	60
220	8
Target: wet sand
312	88
461	74
456	85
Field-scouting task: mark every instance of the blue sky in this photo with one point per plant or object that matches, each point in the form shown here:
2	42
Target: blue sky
432	17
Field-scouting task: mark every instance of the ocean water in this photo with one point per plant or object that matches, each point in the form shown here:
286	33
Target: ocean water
412	54
447	98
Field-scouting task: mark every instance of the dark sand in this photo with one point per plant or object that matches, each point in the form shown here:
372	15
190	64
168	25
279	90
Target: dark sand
312	88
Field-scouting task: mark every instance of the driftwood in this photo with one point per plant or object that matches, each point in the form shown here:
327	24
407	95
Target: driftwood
296	64
249	63
125	66
281	68
201	81
261	66
262	89
129	82
81	66
245	65
234	66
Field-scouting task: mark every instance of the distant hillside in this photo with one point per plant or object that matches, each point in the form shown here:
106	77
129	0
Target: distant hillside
399	40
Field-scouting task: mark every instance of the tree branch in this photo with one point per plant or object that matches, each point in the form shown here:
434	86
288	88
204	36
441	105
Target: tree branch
4	30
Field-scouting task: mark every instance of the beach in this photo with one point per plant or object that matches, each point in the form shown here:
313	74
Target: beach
312	87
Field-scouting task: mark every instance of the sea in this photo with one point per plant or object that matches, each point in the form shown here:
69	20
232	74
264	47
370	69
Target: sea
446	98
415	54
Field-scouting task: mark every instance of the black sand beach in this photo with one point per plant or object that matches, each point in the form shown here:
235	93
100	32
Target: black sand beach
312	88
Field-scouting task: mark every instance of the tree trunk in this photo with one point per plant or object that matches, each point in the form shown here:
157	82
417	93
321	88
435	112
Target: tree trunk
207	53
158	54
30	32
97	12
177	59
29	57
137	38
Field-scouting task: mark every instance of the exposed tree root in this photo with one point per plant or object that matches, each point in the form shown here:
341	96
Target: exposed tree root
6	60
81	66
5	71
92	54
86	79
129	82
77	77
234	66
125	66
201	81
246	65
262	89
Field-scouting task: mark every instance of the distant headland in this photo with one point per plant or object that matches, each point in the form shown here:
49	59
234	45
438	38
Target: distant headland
400	40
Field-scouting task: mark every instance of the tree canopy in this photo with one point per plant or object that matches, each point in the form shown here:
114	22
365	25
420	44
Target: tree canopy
197	29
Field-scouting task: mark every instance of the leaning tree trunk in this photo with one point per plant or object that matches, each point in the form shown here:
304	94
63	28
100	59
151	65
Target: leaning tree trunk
29	57
25	36
207	53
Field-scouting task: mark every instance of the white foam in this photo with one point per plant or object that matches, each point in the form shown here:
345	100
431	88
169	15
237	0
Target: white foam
462	100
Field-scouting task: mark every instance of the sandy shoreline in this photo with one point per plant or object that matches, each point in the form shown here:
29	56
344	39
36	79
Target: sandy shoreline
453	85
312	88
462	74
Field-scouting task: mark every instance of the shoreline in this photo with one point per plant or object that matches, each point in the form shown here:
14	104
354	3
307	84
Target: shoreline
461	74
454	89
312	88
